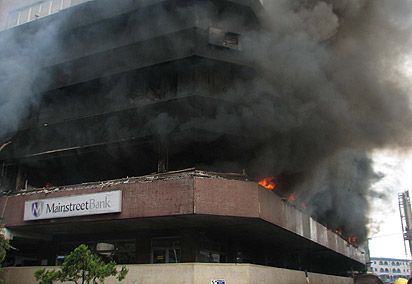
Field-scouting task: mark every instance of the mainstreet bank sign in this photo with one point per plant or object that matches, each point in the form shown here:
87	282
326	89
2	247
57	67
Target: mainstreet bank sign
79	205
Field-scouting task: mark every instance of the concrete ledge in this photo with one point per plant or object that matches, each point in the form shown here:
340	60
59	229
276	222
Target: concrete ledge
182	194
195	273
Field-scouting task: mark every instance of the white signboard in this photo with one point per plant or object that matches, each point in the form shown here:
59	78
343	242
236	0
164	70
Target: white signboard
218	282
79	205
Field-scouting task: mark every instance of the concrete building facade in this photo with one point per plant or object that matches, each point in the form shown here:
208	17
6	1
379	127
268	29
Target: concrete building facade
389	269
19	12
107	155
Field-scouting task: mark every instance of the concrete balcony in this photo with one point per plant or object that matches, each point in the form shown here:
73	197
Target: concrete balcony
196	201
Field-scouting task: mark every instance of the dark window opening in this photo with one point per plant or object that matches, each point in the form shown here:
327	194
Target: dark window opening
220	38
166	250
120	251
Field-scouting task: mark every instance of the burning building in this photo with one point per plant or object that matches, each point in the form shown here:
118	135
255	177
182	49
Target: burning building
124	122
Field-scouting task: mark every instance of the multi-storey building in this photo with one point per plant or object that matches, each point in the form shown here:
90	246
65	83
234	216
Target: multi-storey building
389	269
19	12
126	92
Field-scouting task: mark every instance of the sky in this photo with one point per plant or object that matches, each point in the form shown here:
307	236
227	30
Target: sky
385	239
386	232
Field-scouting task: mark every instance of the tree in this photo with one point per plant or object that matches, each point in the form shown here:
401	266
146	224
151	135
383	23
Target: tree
4	245
81	266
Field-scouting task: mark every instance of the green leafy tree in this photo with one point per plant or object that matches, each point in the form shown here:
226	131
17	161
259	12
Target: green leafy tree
81	266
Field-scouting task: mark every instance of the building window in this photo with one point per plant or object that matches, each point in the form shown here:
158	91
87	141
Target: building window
165	250
36	11
224	39
381	270
121	251
210	251
209	256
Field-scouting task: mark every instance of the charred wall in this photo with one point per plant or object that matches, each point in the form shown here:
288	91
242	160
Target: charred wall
134	83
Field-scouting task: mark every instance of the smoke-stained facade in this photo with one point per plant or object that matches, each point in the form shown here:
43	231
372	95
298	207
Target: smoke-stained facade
303	91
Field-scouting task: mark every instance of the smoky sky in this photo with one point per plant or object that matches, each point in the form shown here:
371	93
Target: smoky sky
328	91
331	69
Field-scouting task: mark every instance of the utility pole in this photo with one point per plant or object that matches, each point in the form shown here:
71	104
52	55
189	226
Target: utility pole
406	221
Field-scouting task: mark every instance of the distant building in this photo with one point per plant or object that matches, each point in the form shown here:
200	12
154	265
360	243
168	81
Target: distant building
389	269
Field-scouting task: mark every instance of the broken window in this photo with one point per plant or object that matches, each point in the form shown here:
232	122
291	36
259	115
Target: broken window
218	37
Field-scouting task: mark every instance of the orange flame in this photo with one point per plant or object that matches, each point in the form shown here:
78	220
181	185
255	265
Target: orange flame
352	240
339	231
269	183
292	197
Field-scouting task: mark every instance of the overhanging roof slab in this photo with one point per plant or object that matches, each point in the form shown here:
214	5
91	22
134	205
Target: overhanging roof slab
151	199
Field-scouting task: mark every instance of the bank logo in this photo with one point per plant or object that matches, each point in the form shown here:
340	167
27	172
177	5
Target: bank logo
37	208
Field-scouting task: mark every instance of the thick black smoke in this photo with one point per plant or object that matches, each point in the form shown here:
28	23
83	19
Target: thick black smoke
334	92
330	90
